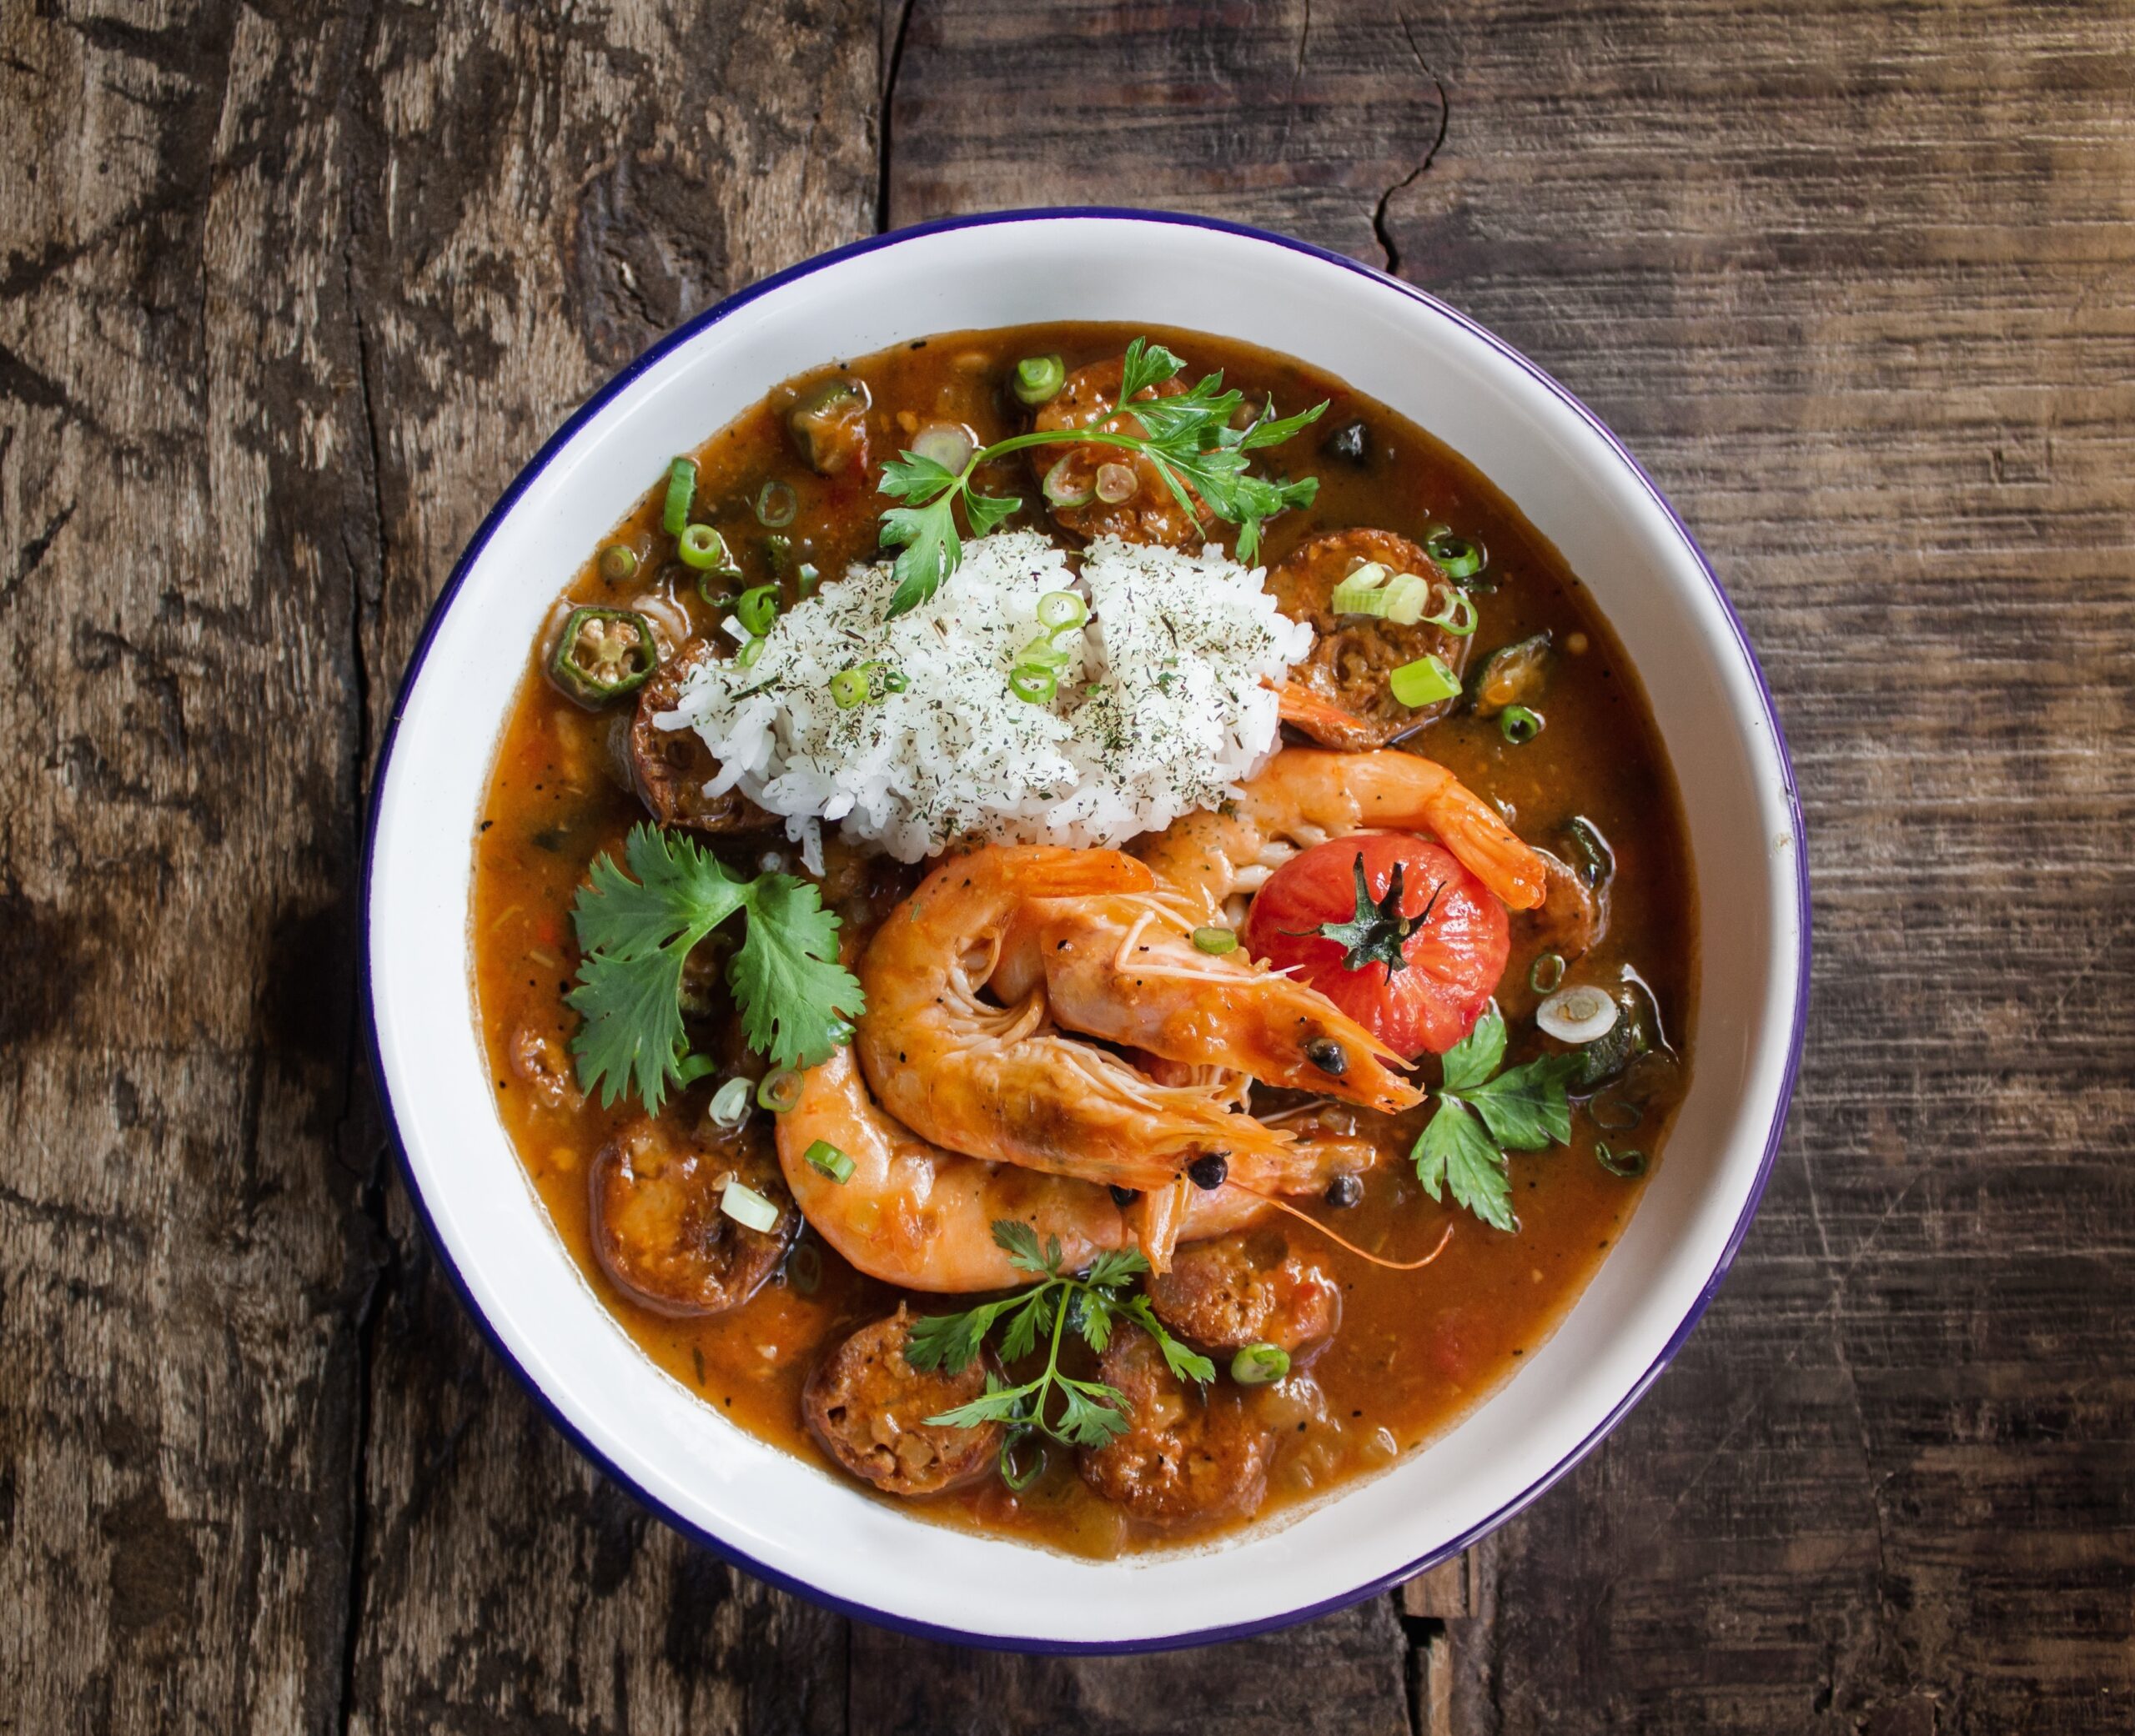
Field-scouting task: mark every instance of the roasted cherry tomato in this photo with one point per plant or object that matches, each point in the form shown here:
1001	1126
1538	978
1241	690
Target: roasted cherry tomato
1450	961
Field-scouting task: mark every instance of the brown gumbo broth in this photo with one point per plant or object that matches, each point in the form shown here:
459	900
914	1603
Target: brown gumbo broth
1413	1350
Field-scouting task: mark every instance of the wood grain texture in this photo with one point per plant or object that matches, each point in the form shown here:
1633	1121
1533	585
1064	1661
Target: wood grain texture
287	294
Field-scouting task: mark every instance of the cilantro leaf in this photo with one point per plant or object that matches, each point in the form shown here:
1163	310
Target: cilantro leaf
793	993
1526	1108
1091	1413
1455	1152
951	1341
634	934
1019	1242
1185	1364
1115	1267
1147	364
1025	1324
1472	1060
1002	1404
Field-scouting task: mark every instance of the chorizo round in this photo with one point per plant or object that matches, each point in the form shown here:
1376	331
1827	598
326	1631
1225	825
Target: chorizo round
1187	1456
1148	511
660	1228
868	1407
1353	655
1248	1288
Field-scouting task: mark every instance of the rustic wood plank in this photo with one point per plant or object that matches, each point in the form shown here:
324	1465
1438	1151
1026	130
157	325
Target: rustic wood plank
544	192
1856	285
185	518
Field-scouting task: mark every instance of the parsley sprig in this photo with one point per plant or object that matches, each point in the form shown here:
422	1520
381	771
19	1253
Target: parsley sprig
1075	1413
1190	438
1523	1109
796	1002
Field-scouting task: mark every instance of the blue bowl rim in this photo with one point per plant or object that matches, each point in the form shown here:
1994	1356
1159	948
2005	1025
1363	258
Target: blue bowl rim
557	442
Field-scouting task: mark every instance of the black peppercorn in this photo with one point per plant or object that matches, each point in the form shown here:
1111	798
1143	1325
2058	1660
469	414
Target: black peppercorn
1208	1172
1350	442
1344	1191
1124	1196
1326	1053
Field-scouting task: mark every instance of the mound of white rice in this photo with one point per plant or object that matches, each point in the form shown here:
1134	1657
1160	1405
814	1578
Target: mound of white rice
1162	708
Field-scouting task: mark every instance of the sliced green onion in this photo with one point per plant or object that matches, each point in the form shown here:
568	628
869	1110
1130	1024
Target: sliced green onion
703	548
1017	1479
849	689
1425	682
1546	973
1457	557
729	1104
1360	593
779	1091
1042	653
1459	617
1215	939
1116	483
775	504
1257	1364
1038	379
804	1268
947	443
747	1207
1615	1115
757	608
1630	1165
896	681
1407	597
682	490
806	576
747	657
1033	683
1519	725
1062	487
1058	611
826	1157
618	563
1578	1015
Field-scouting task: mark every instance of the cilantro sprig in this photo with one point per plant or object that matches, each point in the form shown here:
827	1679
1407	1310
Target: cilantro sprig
796	1002
1190	438
1074	1413
1523	1109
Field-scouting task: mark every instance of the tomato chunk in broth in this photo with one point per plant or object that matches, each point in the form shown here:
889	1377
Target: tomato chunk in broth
1549	724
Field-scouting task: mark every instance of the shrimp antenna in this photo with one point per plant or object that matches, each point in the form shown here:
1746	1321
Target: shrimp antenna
1342	1242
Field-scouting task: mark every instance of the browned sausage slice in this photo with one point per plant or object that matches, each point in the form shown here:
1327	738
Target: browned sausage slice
1571	919
1152	513
1353	655
659	1227
1187	1457
868	1406
1248	1288
670	768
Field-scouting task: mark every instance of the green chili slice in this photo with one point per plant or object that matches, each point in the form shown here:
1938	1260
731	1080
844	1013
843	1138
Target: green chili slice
603	654
682	491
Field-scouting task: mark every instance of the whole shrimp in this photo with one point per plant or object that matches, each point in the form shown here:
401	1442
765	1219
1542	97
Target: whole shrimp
1305	795
914	1214
1000	1083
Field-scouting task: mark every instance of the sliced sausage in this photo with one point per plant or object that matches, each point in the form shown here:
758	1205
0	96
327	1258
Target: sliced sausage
539	1061
660	1229
868	1407
1187	1457
1571	919
1352	655
670	768
1248	1288
1152	513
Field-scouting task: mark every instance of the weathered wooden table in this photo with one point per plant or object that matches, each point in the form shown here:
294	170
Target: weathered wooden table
289	293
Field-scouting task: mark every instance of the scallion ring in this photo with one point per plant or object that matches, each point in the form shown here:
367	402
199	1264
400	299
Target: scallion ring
778	1091
1615	1115
949	444
896	681
703	548
1058	611
1425	682
618	562
747	1207
775	504
1256	1365
826	1159
1546	975
1019	1480
1116	483
1066	484
1578	1015
804	1268
849	689
1039	380
1630	1165
1519	725
757	608
1033	683
1459	617
682	490
1042	653
750	651
1215	940
1457	557
729	1104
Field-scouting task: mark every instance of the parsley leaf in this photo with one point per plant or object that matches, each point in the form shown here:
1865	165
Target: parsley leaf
1075	1413
1191	436
1523	1109
796	1000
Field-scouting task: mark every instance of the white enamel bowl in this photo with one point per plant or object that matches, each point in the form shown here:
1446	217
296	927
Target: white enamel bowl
799	1525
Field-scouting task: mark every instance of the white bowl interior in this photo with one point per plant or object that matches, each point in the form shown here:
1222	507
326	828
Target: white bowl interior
796	1523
